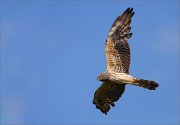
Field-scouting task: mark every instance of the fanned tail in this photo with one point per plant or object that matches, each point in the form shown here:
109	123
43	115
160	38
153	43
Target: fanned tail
151	85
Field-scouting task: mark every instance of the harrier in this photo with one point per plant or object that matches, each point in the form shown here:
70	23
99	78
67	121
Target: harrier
117	76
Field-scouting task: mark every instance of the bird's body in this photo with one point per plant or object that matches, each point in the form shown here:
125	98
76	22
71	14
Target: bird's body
117	76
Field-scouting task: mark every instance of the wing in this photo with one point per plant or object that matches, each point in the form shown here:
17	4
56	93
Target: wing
117	47
107	94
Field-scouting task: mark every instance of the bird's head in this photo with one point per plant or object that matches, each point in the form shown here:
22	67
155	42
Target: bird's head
103	77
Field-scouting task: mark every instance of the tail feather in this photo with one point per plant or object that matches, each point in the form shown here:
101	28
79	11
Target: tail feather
151	85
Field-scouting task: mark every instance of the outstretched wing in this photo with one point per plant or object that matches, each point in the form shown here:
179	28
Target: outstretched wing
117	47
108	93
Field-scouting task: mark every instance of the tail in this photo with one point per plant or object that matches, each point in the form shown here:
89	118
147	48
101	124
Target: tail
151	85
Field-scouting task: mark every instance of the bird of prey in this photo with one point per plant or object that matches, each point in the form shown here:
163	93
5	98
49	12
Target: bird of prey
117	76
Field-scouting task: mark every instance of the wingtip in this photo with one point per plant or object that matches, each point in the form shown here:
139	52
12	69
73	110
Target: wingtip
129	11
132	14
102	105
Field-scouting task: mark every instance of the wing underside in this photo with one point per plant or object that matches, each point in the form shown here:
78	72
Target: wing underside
117	47
107	94
118	60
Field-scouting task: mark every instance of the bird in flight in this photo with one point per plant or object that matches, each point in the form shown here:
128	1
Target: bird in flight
117	76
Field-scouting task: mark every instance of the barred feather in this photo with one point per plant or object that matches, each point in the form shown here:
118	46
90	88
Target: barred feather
107	94
117	47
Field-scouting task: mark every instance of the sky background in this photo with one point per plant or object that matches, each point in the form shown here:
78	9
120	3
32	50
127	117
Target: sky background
52	52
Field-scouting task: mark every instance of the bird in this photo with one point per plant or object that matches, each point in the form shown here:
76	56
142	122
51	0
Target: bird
116	75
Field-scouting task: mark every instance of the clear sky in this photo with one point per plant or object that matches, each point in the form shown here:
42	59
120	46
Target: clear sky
52	52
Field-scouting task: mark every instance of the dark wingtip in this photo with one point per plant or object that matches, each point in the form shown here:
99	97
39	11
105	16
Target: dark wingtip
102	104
129	11
132	14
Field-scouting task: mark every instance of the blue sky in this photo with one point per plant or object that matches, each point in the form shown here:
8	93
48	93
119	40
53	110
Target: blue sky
52	52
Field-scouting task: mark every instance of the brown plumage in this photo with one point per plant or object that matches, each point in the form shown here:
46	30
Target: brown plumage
111	93
117	47
117	75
